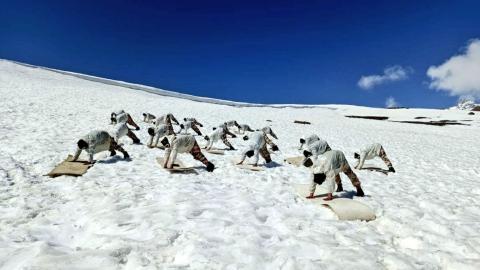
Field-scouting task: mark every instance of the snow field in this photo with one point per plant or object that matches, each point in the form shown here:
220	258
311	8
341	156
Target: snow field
134	215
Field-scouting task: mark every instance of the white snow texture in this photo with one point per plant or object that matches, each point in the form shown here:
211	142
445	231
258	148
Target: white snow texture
135	215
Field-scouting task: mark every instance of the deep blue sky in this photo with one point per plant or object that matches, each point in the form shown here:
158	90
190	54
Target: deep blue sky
310	52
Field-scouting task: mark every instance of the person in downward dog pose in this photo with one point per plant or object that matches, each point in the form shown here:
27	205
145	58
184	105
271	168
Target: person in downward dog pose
194	120
148	118
308	140
155	134
186	125
370	152
259	141
120	119
315	149
244	128
98	141
121	116
232	123
120	130
219	134
175	144
269	131
327	168
166	119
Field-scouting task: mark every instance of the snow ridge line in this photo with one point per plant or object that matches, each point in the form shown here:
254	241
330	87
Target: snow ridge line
158	91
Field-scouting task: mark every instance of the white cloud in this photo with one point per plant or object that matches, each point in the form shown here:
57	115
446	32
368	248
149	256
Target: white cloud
391	103
459	75
390	74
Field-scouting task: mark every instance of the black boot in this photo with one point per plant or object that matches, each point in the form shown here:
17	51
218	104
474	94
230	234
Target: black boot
231	148
360	191
210	167
339	187
391	169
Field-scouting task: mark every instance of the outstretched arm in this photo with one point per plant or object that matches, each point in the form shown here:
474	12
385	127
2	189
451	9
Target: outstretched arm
173	157
242	159
361	161
313	186
77	154
166	157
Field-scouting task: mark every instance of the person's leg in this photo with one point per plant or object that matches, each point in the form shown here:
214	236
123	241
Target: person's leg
265	154
196	129
132	136
385	159
354	179
131	122
197	154
226	142
114	146
338	181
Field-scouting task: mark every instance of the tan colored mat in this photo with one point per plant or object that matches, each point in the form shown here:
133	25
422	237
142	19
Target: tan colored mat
70	168
178	166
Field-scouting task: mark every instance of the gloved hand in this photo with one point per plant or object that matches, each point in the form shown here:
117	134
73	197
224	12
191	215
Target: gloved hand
210	167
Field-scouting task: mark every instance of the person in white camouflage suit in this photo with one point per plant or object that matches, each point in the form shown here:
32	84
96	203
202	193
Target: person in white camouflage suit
327	168
98	141
370	152
176	144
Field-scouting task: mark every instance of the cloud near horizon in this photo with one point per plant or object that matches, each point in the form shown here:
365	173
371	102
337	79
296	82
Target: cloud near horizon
459	75
390	74
391	103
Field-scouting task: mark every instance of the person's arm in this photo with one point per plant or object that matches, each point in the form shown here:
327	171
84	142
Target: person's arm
363	156
166	157
90	157
244	155
255	156
77	154
329	183
173	157
313	186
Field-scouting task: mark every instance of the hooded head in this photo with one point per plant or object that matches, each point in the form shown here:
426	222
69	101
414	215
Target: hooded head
144	114
245	138
249	153
356	156
165	142
151	131
307	162
307	154
82	144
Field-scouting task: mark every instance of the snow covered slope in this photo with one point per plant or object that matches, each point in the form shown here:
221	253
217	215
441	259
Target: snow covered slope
134	215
